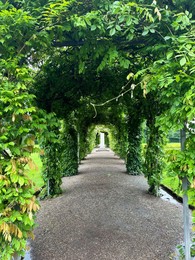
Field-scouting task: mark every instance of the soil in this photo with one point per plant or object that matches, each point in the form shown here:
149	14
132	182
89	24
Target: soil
106	214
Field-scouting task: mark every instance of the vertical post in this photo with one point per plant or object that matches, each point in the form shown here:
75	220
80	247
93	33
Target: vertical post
48	189
78	147
102	140
16	257
186	215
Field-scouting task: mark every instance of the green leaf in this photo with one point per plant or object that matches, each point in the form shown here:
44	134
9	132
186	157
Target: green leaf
16	244
21	181
118	28
130	37
88	21
14	178
166	38
93	27
169	55
124	63
183	61
177	78
129	21
145	32
121	18
112	31
2	41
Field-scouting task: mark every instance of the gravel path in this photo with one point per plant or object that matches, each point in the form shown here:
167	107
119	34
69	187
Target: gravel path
105	213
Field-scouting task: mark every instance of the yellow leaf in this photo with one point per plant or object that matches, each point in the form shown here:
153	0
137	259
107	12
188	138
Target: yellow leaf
30	142
193	184
156	10
19	233
6	228
2	177
14	168
130	75
23	160
6	235
29	148
24	208
27	117
30	215
32	165
31	235
15	231
144	89
12	228
30	206
1	227
9	238
13	117
35	207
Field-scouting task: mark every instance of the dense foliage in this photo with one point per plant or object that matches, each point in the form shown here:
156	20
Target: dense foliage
134	161
68	151
49	140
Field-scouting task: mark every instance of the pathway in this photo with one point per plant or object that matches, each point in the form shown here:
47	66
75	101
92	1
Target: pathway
106	214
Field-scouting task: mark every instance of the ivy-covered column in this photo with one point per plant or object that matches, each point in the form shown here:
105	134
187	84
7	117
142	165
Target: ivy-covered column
134	161
97	139
118	138
50	144
154	157
107	143
123	139
88	139
68	150
51	170
83	141
155	141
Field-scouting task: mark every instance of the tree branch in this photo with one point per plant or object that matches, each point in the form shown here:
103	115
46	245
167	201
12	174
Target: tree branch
68	43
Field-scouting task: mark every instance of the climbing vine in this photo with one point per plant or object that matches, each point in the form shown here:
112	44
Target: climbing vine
68	150
50	144
153	164
134	161
18	128
118	139
17	202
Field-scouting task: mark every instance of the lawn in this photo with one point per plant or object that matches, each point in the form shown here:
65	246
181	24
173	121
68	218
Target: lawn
167	181
173	183
172	146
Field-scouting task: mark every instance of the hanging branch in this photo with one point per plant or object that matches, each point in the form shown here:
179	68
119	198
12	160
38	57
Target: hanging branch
115	98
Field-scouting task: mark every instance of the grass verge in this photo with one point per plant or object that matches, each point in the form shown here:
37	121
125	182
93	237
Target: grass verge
173	183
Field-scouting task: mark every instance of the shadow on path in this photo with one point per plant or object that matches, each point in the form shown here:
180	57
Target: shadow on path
104	214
